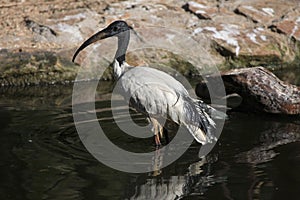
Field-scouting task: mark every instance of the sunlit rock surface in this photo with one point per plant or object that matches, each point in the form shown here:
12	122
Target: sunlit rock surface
243	30
230	33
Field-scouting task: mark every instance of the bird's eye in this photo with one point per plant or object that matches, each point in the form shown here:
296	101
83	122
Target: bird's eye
115	29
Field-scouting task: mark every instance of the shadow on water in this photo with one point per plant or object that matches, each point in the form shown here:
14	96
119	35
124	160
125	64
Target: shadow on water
42	157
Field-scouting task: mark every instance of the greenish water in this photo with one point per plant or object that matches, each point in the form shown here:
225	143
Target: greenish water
289	74
42	157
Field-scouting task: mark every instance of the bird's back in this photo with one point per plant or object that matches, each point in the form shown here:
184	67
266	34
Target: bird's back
139	76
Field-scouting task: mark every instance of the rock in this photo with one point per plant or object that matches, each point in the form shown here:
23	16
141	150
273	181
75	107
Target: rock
248	46
202	9
22	23
240	41
265	12
260	90
290	25
221	28
40	29
256	15
34	68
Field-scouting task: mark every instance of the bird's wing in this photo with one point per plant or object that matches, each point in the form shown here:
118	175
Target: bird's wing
153	92
142	75
153	98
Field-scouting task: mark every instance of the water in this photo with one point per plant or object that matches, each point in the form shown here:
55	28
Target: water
42	157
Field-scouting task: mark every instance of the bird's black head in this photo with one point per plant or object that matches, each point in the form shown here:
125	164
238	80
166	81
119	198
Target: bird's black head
113	29
117	27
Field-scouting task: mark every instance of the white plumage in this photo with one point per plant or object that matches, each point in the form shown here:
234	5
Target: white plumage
155	93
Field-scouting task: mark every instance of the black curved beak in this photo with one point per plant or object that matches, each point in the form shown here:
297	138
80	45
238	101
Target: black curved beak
96	37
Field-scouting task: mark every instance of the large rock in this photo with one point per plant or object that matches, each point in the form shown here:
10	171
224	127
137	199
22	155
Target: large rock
58	28
265	12
281	16
244	42
34	68
260	90
290	25
248	46
203	9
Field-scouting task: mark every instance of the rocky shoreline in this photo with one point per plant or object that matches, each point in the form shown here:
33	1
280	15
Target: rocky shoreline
235	33
38	40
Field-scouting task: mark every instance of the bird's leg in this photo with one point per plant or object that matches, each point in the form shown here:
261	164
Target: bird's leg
156	129
157	140
161	130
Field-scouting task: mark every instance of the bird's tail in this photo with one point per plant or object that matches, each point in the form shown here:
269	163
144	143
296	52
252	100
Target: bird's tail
213	113
200	124
199	134
209	114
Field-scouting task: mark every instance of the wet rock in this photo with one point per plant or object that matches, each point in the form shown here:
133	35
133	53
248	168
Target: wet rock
34	68
260	90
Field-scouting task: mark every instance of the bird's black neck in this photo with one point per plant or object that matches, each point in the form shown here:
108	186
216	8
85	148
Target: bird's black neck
123	41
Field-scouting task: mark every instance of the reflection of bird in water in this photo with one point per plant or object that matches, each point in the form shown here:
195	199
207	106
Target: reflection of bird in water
194	183
155	93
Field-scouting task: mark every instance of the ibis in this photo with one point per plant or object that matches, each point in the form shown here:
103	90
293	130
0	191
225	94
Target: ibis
155	93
